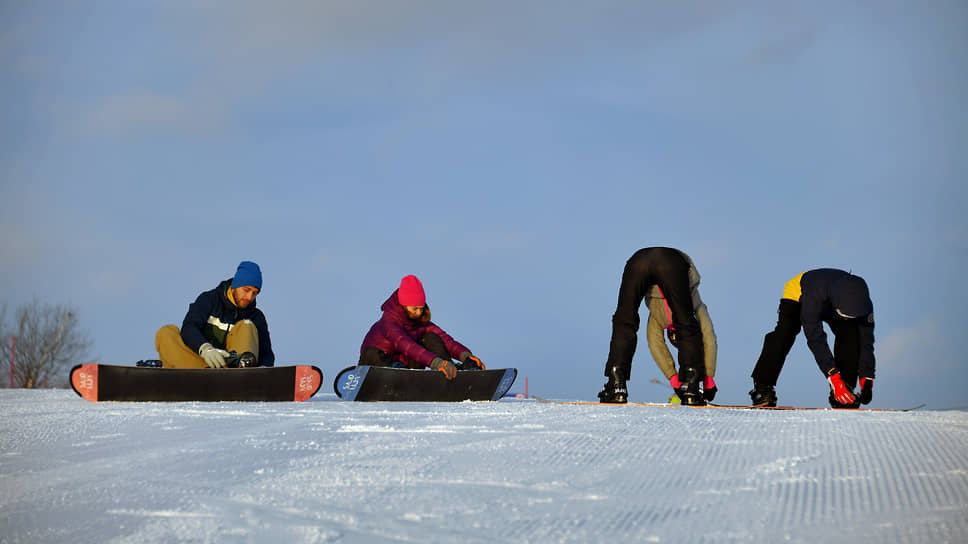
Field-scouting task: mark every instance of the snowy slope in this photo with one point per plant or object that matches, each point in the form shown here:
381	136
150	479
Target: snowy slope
329	471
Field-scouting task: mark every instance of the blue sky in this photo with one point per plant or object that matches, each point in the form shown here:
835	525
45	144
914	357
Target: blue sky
512	155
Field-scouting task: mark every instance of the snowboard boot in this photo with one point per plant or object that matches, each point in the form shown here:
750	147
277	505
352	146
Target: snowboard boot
690	395
834	404
762	395
615	390
245	360
688	391
248	360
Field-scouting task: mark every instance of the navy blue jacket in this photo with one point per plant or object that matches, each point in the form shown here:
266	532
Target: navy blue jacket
212	315
825	290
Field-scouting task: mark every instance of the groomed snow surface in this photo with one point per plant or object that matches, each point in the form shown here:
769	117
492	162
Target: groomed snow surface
508	471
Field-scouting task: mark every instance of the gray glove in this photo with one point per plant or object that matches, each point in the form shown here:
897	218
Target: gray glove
213	357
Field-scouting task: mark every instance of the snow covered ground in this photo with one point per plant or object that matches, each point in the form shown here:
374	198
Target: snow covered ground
509	471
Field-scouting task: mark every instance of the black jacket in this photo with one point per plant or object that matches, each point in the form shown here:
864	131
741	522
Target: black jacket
823	292
212	315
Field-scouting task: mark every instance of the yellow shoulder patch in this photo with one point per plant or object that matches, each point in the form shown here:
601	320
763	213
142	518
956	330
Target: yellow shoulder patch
791	290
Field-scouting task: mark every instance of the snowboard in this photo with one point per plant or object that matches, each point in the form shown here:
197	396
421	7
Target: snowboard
858	409
376	383
720	406
96	382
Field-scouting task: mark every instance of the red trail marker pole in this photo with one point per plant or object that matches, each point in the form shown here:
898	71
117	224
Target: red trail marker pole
13	352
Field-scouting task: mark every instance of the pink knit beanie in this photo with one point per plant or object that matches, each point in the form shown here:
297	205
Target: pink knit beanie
411	292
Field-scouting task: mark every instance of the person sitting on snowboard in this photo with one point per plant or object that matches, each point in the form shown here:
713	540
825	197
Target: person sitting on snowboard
224	318
405	336
660	319
669	269
815	297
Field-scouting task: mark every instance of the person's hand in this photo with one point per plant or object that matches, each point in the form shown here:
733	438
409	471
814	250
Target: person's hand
447	367
866	390
472	362
674	381
841	392
709	388
213	357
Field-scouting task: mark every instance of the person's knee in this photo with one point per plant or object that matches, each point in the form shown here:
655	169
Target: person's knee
172	349
430	338
244	329
433	342
167	332
243	337
372	356
245	325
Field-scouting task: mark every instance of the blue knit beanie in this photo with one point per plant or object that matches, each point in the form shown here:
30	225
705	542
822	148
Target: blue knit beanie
248	273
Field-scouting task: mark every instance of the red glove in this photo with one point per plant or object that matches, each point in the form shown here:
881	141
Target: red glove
674	381
841	392
447	367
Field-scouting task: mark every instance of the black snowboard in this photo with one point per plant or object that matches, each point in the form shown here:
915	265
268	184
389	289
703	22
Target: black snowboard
375	383
97	382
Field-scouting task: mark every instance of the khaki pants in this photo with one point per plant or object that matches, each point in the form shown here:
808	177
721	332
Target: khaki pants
173	352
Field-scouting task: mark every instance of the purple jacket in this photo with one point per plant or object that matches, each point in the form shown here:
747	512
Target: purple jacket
397	335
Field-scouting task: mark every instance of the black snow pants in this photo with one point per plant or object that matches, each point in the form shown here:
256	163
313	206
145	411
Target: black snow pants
777	345
668	269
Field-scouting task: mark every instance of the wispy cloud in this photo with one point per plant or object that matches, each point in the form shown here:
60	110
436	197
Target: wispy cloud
920	347
715	251
53	256
144	110
498	242
431	45
20	247
786	44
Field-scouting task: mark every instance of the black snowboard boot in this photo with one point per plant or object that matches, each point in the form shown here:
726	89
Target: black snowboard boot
247	360
615	390
689	394
762	395
688	391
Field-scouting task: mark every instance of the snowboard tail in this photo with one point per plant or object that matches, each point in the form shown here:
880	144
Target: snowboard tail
96	382
375	383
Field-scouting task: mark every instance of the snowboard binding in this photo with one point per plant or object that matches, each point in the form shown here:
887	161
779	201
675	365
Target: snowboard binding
244	360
